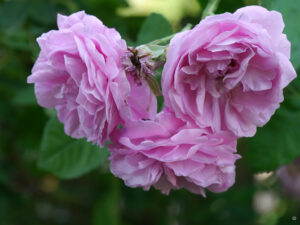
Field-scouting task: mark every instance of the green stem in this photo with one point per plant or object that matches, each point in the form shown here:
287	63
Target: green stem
210	8
158	48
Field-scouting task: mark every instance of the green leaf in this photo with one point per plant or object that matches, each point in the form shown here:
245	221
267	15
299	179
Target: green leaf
43	11
12	15
291	16
230	6
16	40
107	210
67	157
278	142
154	27
25	96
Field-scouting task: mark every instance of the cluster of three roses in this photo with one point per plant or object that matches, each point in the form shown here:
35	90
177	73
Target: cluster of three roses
220	81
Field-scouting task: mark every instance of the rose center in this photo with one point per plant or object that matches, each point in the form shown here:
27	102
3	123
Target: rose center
216	72
219	69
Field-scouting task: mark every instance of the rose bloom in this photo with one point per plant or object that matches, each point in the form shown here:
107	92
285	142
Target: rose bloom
228	72
168	153
79	73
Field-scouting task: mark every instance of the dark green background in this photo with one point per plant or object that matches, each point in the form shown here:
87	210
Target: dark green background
31	195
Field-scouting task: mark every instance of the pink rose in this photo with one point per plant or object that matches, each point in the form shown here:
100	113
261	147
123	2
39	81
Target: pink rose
79	73
170	154
228	72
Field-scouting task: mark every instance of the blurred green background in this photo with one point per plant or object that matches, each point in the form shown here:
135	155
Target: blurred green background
31	195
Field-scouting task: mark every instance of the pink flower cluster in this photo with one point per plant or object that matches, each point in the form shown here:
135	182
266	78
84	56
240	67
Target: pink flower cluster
220	81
